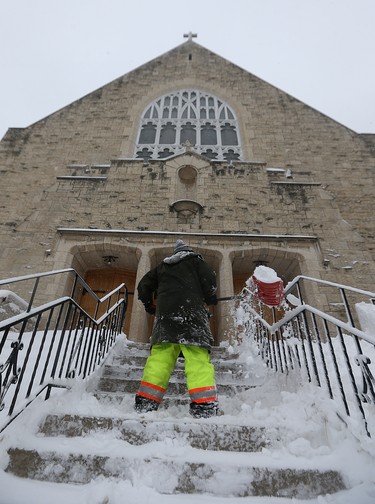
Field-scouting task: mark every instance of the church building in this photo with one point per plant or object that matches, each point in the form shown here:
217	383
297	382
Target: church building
188	146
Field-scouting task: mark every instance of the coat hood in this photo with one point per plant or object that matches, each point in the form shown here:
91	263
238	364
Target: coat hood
179	256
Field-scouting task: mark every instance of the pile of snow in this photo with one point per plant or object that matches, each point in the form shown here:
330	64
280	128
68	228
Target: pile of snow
11	304
266	274
366	316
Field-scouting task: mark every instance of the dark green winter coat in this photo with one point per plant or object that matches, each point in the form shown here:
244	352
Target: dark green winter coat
180	286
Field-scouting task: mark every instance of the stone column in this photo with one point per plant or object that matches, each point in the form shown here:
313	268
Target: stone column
139	324
224	320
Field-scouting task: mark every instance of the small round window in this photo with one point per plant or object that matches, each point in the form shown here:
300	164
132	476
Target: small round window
187	174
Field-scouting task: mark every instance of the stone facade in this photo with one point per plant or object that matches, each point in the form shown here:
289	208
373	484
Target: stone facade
300	200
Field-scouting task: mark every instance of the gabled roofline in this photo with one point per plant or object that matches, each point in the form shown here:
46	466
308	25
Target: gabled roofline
192	44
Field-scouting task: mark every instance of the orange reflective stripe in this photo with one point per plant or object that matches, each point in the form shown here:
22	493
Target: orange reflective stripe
151	391
201	389
203	394
205	399
151	385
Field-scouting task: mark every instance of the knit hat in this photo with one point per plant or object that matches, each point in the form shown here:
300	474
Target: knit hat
181	246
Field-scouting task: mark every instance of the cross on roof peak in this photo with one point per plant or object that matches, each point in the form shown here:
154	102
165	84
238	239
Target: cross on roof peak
190	35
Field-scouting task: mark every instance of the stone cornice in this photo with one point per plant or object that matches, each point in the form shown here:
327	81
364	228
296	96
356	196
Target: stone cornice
155	233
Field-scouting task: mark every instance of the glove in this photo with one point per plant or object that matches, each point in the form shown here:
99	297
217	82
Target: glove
212	300
150	308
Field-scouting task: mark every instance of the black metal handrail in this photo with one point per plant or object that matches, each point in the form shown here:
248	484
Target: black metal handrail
36	277
325	350
342	290
48	346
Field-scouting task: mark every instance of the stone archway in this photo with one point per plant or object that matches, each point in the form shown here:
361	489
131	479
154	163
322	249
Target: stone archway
104	267
287	265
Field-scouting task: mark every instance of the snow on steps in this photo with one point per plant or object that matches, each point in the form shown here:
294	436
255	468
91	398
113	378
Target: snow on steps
189	464
125	372
176	476
204	436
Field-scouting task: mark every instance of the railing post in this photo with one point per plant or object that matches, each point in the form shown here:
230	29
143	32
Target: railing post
124	308
299	290
352	378
347	307
23	369
74	285
10	366
336	367
325	369
59	346
33	295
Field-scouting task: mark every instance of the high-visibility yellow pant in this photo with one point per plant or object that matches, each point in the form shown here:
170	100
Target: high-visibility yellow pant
200	373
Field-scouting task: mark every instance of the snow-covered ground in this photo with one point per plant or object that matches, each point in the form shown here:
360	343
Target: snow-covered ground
311	433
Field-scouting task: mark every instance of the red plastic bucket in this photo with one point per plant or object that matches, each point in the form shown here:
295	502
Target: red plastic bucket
271	294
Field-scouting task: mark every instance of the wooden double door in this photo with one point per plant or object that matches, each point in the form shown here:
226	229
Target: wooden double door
103	281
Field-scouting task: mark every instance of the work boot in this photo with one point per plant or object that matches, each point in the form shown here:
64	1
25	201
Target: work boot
204	410
144	405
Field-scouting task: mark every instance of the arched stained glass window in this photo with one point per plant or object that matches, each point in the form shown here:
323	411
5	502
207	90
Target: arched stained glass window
188	133
228	135
208	124
148	133
208	134
168	134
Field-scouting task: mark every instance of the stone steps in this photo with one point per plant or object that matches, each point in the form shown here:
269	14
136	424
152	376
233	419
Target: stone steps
125	372
222	374
176	476
111	398
228	370
130	386
138	353
183	455
200	435
140	360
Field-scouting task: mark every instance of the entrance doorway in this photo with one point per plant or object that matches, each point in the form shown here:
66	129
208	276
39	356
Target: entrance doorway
285	264
102	281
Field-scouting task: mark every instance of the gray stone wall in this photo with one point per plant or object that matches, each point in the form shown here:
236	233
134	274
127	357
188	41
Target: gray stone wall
328	193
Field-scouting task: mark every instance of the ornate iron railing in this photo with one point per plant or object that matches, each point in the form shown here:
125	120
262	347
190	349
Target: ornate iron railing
329	352
47	346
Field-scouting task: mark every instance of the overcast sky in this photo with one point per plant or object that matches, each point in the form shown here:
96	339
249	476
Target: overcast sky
53	52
